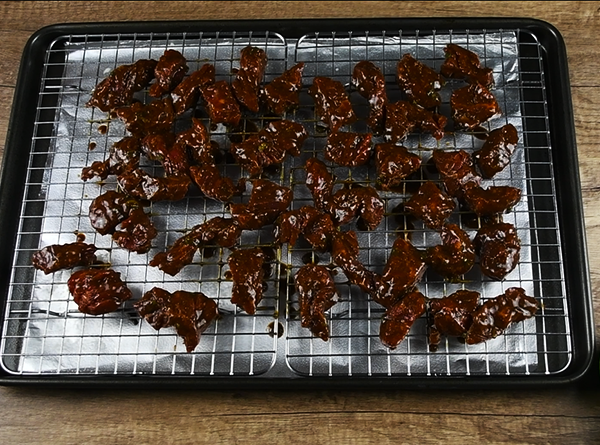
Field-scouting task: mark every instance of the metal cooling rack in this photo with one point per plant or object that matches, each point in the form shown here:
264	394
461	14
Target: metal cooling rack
43	332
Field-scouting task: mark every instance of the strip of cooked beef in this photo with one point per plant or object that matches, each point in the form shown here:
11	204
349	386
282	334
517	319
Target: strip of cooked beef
451	315
348	149
118	88
152	118
190	313
460	63
455	256
320	182
137	232
212	184
246	84
143	186
370	83
332	104
98	291
493	200
356	201
473	105
494	316
431	205
109	209
198	142
186	95
317	294
169	72
499	249
247	273
316	227
399	318
267	201
394	163
282	94
457	171
419	82
164	149
497	150
124	155
221	104
402	117
57	257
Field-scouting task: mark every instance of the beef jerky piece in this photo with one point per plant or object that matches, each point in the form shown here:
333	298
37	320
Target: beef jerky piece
169	72
403	270
315	225
289	226
402	117
317	294
419	82
267	201
431	205
473	105
246	84
356	201
124	156
197	140
451	315
186	95
288	135
499	249
460	63
190	313
118	88
282	94
141	185
455	256
153	118
247	273
399	318
394	163
210	181
456	170
163	148
332	104
370	83
137	232
492	201
98	291
319	181
64	256
221	103
318	230
348	149
497	150
494	316
109	209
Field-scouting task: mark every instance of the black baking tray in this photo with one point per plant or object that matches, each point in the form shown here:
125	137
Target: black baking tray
31	126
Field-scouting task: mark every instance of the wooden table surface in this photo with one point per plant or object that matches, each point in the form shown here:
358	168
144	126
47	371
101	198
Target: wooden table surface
549	415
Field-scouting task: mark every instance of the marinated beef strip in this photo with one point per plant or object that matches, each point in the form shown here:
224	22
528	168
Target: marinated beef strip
369	80
109	209
356	201
492	201
154	118
317	294
400	317
472	106
136	233
402	118
394	163
332	104
221	104
431	205
282	94
98	291
212	183
419	82
267	201
169	72
499	249
57	257
497	150
348	149
186	95
164	149
190	313
118	88
316	227
455	256
460	63
494	316
246	85
320	182
198	142
124	155
451	316
145	187
457	171
247	273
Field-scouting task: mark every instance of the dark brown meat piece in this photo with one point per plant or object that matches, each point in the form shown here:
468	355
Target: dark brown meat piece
473	105
431	205
246	84
64	256
461	63
399	318
419	82
315	225
332	104
164	149
451	315
124	155
267	201
141	185
320	182
190	313
370	83
394	163
209	180
403	117
282	94
118	88
98	291
499	249
492	201
497	150
198	143
137	232
348	149
456	170
221	103
109	209
354	201
247	273
494	316
153	118
169	72
186	95
317	294
455	256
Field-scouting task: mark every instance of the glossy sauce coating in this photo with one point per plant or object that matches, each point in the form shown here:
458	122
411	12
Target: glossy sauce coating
267	201
319	181
394	163
451	315
98	291
370	83
473	105
499	249
137	232
348	149
497	150
253	62
402	118
355	201
282	94
431	205
493	200
64	256
141	185
403	270
221	104
455	256
110	208
212	184
153	118
460	63
419	82
124	155
186	95
247	273
169	72
332	104
316	227
456	170
399	318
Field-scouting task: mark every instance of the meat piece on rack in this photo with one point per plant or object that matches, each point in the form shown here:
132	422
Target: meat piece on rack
144	119
124	155
457	171
267	201
319	181
472	106
282	94
109	209
98	291
246	84
431	205
316	227
57	257
136	233
356	201
451	316
493	200
419	82
402	118
499	249
461	63
394	163
186	95
455	256
247	273
221	104
145	187
399	318
169	72
497	150
348	149
332	104
369	80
